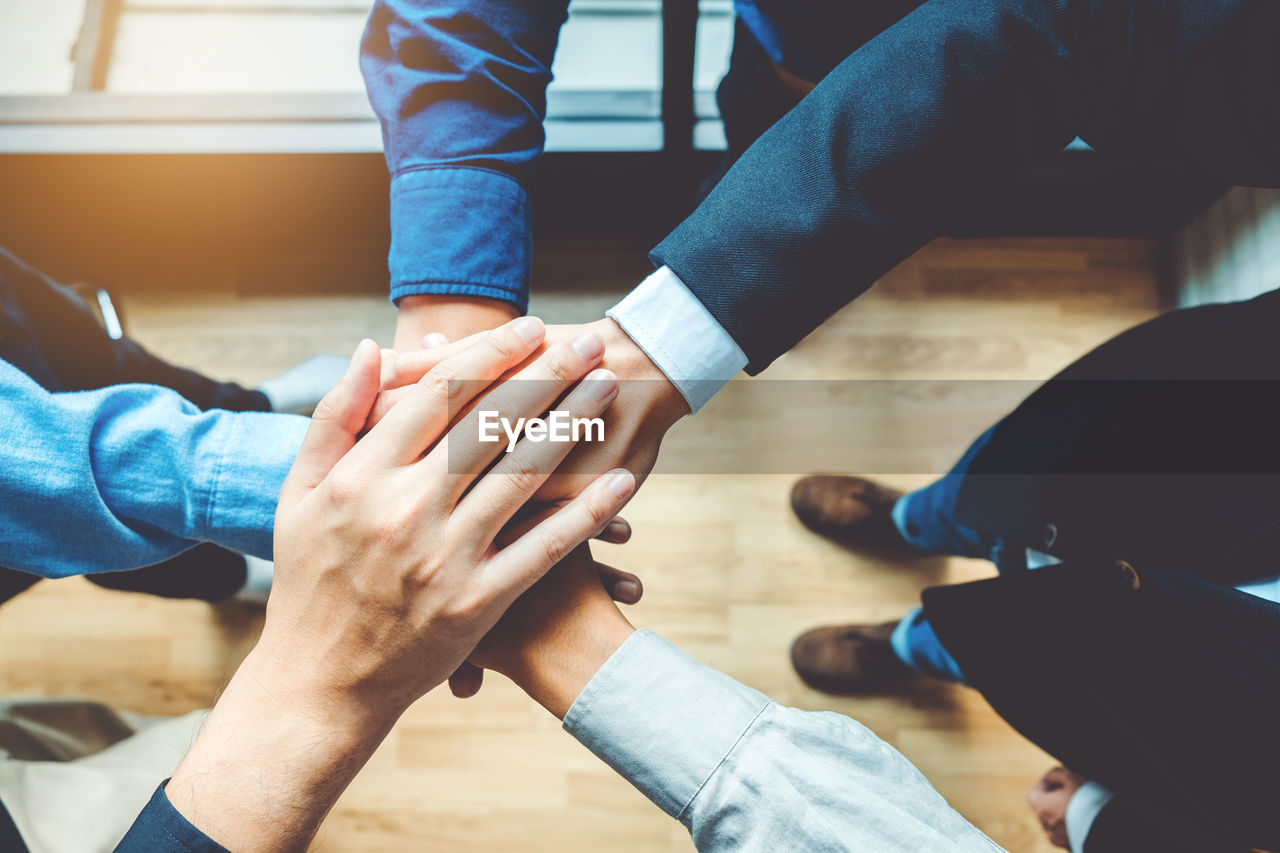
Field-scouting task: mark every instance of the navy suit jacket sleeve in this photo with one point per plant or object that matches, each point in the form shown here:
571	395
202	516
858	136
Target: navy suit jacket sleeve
928	119
160	829
1124	826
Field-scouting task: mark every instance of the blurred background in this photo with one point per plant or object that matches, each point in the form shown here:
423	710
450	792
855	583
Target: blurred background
216	166
230	142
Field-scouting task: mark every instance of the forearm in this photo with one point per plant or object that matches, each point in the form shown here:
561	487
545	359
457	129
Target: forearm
556	664
731	765
272	759
905	135
131	475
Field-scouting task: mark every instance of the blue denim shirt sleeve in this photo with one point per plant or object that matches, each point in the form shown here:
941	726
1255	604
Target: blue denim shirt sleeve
161	829
460	89
744	773
131	475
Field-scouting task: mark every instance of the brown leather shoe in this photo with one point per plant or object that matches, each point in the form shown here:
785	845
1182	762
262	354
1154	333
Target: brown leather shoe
850	510
848	659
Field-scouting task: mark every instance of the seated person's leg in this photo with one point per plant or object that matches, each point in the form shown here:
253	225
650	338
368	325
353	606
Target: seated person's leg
58	341
205	573
861	513
13	582
856	658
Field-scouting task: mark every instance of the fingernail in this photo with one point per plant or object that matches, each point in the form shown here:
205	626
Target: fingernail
622	484
602	385
529	328
626	591
589	345
618	528
433	340
355	356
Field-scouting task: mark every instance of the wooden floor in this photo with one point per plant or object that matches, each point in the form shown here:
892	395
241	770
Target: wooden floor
730	575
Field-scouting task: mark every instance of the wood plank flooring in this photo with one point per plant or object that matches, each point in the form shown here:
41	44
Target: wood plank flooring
730	575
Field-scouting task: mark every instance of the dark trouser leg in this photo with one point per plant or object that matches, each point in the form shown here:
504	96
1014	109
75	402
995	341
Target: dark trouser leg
206	572
48	333
80	355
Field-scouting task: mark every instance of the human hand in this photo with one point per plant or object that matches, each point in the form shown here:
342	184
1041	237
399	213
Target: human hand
386	578
1049	797
651	402
386	571
647	406
556	636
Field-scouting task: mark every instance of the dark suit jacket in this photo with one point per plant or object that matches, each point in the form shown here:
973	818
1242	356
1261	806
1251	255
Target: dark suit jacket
893	147
1163	686
928	118
1152	466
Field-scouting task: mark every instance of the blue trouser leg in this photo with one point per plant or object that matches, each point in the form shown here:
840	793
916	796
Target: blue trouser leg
918	647
926	519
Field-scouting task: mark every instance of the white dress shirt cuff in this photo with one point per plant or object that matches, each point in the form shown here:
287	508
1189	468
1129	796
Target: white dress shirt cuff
681	337
662	720
1082	811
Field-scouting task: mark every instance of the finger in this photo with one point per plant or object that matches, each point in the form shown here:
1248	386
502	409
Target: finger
411	365
623	587
517	567
385	403
507	487
526	518
616	532
336	424
423	415
529	394
466	680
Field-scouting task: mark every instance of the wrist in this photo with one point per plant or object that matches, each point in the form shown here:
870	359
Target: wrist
656	394
555	667
272	746
455	317
350	714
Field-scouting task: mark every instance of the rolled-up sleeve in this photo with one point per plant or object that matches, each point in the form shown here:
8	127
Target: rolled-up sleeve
743	773
460	89
131	475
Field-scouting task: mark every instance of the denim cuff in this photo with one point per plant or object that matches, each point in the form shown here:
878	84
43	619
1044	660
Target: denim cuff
460	230
257	450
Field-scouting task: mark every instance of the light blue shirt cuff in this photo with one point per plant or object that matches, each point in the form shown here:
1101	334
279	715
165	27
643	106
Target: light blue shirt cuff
679	334
661	719
257	451
1083	809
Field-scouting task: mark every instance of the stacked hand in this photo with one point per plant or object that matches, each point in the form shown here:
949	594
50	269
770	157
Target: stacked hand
387	572
646	407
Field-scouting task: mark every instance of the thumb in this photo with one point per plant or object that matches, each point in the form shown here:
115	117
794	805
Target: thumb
336	424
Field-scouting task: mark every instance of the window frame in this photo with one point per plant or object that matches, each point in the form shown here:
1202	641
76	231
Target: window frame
90	120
